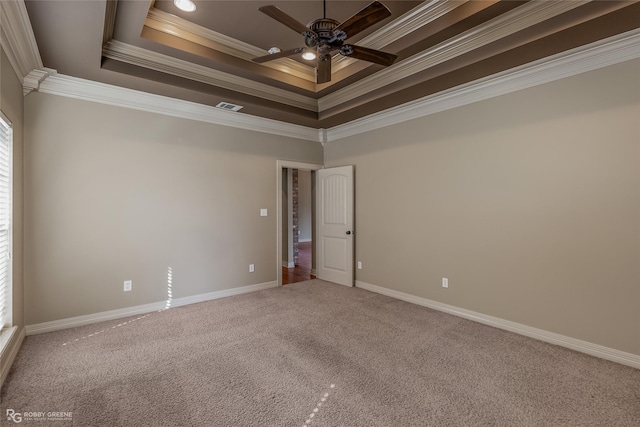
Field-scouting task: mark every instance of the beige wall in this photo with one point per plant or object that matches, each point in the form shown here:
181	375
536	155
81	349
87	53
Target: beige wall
11	104
113	194
529	203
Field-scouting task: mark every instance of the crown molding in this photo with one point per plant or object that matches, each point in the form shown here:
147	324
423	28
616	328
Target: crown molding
31	81
226	44
396	29
616	49
171	24
111	7
17	38
409	22
509	23
87	90
613	50
502	26
141	57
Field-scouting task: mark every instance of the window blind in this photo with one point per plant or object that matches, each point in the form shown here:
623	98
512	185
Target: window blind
5	219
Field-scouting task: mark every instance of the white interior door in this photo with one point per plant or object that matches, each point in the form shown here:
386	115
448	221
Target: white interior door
334	192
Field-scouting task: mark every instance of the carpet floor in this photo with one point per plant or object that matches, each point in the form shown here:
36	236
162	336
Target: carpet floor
310	354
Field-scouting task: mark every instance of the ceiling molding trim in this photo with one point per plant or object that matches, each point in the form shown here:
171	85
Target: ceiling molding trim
87	90
171	24
409	22
31	81
600	54
620	48
396	29
17	38
141	57
228	44
502	26
111	7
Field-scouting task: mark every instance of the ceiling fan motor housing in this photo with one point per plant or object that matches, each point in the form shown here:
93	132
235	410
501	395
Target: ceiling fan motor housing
322	32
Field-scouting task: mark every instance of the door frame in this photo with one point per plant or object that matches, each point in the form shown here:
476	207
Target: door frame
285	164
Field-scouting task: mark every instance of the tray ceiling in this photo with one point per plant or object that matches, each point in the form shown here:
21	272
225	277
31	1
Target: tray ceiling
206	56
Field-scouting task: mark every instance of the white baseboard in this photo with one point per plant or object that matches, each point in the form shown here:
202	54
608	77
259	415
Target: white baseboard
286	264
9	350
72	322
602	352
221	294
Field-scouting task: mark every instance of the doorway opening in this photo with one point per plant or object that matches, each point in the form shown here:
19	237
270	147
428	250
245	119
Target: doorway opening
296	221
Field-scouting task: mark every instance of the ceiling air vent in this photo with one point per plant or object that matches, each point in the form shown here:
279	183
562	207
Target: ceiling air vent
229	106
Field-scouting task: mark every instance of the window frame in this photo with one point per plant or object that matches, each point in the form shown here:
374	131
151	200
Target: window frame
6	311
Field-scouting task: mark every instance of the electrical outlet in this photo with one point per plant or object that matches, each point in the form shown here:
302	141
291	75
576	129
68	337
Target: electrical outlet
128	285
445	282
252	268
359	265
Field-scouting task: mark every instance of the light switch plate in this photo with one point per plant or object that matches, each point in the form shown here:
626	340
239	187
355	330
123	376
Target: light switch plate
263	212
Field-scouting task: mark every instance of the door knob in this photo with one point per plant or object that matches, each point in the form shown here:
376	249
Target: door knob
348	232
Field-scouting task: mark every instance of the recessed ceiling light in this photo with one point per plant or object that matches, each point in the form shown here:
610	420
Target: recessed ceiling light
309	55
274	50
186	5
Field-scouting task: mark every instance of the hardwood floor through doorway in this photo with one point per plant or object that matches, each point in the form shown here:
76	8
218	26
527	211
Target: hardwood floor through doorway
302	271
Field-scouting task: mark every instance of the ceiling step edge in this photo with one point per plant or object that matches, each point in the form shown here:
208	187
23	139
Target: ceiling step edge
87	90
614	50
140	57
17	38
620	48
502	26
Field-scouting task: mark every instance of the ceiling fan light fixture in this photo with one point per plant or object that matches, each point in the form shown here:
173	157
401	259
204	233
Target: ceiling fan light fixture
185	5
324	35
311	40
309	55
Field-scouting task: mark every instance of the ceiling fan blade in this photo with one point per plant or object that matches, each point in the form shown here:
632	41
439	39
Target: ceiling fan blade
283	54
285	19
366	54
323	70
362	20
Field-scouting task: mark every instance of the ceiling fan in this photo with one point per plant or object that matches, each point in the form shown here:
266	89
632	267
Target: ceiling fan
325	35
